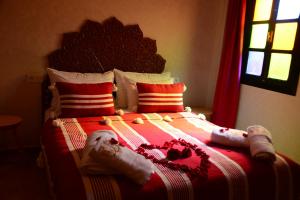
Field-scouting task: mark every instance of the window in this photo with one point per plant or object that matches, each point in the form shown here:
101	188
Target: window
271	56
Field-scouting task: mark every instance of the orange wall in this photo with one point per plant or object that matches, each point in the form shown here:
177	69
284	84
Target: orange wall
188	33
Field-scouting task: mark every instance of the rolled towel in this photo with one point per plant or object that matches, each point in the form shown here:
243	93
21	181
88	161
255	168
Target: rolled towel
230	137
260	140
124	160
87	164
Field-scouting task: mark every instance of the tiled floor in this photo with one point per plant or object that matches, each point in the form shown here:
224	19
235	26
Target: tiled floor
20	178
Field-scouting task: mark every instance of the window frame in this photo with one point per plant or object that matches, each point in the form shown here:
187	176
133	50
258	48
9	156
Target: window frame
262	81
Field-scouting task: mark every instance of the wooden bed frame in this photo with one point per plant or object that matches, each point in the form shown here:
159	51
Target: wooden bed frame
100	47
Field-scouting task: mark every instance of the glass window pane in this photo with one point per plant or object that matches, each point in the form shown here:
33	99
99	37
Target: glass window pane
288	9
284	37
280	66
255	63
262	10
259	36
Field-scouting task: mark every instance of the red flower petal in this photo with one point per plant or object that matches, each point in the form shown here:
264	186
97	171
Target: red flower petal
173	154
113	141
200	171
186	152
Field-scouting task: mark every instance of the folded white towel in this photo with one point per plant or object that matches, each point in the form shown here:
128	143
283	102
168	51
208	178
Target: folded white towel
124	160
230	137
89	165
260	140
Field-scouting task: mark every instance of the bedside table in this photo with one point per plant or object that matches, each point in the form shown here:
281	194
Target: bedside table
11	123
205	111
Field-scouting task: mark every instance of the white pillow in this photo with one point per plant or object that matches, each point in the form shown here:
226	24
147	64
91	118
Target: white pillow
137	77
132	93
76	77
73	77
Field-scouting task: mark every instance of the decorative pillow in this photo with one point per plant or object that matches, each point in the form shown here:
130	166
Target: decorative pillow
132	93
73	77
160	97
137	77
83	100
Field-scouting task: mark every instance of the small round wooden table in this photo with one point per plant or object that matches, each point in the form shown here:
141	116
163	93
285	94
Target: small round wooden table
11	123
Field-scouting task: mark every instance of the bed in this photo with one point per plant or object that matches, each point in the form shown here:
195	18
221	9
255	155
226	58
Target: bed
223	172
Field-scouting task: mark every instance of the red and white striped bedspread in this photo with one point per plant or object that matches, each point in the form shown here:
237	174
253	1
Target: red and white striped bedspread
232	173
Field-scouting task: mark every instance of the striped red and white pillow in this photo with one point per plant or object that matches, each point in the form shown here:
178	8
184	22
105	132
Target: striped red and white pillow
83	100
160	97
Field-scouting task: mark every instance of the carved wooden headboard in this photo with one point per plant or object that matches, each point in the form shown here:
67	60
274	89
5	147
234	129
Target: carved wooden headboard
100	47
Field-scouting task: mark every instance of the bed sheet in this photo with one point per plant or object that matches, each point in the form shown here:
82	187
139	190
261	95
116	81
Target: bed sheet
232	174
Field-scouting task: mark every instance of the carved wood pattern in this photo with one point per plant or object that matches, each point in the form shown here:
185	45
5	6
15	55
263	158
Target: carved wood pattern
100	47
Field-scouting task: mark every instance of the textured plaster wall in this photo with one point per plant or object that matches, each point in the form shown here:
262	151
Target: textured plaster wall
188	33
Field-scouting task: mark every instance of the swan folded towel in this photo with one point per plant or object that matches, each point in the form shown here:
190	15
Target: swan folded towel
123	160
260	140
87	164
230	137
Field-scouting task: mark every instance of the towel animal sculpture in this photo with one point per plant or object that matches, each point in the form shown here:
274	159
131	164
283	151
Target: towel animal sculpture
87	164
103	155
257	138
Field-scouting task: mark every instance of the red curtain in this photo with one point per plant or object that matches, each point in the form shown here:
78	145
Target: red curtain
227	94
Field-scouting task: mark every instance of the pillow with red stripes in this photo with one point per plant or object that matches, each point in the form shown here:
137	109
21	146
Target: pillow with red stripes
160	97
84	100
